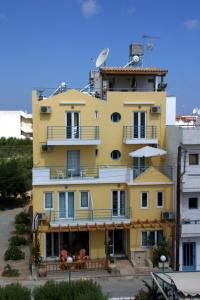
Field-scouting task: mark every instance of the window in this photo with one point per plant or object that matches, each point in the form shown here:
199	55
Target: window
160	199
193	203
151	238
48	200
193	159
115	154
116	117
144	199
84	199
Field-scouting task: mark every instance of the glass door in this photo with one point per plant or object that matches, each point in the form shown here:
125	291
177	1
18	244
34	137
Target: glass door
139	166
66	205
139	124
118	203
189	256
73	163
73	125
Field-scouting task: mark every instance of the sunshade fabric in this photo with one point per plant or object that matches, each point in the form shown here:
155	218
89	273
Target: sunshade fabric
186	282
147	152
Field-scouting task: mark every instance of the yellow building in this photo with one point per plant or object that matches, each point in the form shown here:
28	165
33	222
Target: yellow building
87	189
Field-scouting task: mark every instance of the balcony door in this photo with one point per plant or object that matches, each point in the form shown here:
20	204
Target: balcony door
66	205
73	163
118	203
72	125
139	124
189	256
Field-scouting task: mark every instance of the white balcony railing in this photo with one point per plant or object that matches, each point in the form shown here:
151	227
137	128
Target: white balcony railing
190	228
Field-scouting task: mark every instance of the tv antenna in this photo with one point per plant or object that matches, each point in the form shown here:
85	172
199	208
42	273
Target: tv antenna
195	111
103	55
149	43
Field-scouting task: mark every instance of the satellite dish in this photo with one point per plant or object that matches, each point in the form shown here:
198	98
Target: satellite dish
102	57
195	110
136	58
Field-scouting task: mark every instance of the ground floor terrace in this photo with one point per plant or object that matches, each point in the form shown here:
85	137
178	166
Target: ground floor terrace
131	241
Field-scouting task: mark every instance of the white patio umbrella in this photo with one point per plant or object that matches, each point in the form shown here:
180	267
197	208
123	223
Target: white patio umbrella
147	152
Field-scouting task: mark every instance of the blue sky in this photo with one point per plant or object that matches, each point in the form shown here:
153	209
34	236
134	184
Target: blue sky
45	42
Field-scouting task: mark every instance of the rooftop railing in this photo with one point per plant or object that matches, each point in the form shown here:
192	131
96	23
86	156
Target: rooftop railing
44	93
73	132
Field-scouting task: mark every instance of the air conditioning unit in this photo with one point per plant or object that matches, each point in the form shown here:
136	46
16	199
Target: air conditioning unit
42	216
155	109
167	215
45	109
46	148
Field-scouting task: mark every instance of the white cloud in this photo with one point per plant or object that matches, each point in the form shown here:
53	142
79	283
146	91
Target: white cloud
89	8
130	11
192	24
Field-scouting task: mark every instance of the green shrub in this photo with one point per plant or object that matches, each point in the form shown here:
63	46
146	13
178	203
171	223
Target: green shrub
22	228
9	271
78	290
18	241
14	292
14	253
22	218
163	248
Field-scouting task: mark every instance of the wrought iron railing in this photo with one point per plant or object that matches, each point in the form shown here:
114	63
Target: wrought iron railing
140	132
90	214
73	132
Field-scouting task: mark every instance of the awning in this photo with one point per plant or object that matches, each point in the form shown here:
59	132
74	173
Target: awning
147	152
186	283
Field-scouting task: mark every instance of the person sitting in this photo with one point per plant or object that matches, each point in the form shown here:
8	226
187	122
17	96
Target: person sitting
81	259
82	254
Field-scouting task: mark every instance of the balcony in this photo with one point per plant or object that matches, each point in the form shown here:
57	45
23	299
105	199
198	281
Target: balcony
73	135
89	216
82	172
91	174
190	228
133	135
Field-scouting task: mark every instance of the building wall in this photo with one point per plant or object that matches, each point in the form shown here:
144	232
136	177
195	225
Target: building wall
111	138
111	134
11	124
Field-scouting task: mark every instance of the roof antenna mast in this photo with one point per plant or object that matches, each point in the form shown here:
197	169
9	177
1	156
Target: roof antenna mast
148	42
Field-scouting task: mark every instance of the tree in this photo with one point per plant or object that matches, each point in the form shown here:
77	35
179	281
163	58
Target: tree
163	248
15	176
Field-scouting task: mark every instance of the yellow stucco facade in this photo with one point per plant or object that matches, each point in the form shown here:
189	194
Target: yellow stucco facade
116	204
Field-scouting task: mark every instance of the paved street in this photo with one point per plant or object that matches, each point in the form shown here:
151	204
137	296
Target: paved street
122	286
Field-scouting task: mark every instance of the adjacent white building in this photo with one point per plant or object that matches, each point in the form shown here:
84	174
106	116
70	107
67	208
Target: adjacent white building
187	136
15	124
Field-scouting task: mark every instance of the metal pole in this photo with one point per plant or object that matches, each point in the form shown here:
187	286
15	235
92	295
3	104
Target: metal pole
69	272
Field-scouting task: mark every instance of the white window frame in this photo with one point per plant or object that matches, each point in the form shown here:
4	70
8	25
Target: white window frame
155	237
81	207
144	207
197	158
159	206
46	208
